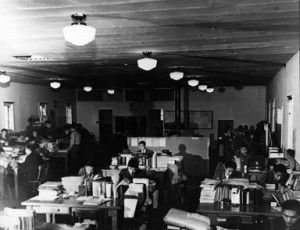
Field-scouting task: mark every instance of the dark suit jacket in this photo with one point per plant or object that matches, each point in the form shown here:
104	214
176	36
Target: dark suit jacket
29	168
220	174
148	152
268	178
124	173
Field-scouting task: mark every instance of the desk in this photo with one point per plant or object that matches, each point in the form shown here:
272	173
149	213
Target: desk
64	206
160	174
62	153
246	212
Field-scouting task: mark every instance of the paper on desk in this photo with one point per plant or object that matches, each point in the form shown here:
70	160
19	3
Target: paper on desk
44	198
96	201
84	198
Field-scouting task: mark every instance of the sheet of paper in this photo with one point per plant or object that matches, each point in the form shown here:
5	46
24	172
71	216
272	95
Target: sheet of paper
162	142
84	198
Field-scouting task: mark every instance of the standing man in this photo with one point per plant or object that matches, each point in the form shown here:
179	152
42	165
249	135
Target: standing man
144	151
290	219
74	149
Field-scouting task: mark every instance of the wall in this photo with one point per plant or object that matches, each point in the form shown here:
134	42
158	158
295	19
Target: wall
26	98
285	83
245	107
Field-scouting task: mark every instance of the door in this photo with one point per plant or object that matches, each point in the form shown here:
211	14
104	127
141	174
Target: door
224	124
155	123
105	118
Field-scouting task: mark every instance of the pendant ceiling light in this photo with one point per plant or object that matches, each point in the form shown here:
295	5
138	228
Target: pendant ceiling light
210	90
55	84
111	91
4	78
87	88
176	75
202	87
147	63
78	33
193	82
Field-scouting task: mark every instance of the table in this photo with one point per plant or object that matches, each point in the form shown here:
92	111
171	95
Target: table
64	206
246	212
160	174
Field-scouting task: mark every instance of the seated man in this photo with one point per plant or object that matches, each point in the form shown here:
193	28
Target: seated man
143	150
243	154
36	139
132	171
227	171
290	219
89	172
4	137
277	176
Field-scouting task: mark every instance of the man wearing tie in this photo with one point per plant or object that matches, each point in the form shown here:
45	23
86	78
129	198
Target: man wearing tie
144	151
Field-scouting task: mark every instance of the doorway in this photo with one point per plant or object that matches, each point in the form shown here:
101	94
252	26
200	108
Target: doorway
105	121
224	124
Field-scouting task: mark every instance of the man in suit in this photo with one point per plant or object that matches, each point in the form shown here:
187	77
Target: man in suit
227	171
132	171
278	176
144	151
290	219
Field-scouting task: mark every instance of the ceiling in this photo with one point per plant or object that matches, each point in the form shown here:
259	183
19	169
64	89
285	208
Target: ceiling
222	43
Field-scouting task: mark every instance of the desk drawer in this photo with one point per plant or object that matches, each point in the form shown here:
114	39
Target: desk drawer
52	209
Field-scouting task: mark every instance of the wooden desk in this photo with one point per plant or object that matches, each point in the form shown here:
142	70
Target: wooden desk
246	212
64	206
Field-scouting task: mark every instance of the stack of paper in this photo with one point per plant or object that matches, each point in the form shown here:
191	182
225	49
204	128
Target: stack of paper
208	191
274	153
50	189
71	183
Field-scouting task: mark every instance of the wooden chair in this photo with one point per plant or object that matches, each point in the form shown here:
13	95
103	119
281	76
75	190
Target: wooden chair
21	219
42	176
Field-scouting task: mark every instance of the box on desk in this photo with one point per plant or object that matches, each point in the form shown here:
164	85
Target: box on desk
71	183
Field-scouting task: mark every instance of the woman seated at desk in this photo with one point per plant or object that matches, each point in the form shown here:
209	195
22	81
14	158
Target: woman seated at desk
89	172
29	169
36	139
278	176
226	171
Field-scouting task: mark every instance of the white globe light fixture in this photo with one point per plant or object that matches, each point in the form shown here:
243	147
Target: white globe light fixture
193	82
55	84
87	88
4	78
147	63
111	91
79	33
202	87
210	90
176	75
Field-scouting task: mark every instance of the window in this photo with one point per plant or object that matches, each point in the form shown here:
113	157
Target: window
43	111
8	115
162	115
69	113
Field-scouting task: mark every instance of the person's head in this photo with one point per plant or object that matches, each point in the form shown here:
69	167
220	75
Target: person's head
142	145
29	149
133	165
48	124
291	152
4	132
279	171
244	148
230	167
89	167
35	133
291	212
73	127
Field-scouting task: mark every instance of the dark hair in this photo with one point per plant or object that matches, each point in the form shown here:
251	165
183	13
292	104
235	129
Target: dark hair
291	152
280	168
133	162
293	205
230	164
90	163
142	143
31	147
4	130
243	145
73	126
48	122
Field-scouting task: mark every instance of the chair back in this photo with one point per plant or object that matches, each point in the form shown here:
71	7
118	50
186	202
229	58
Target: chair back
43	172
21	219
